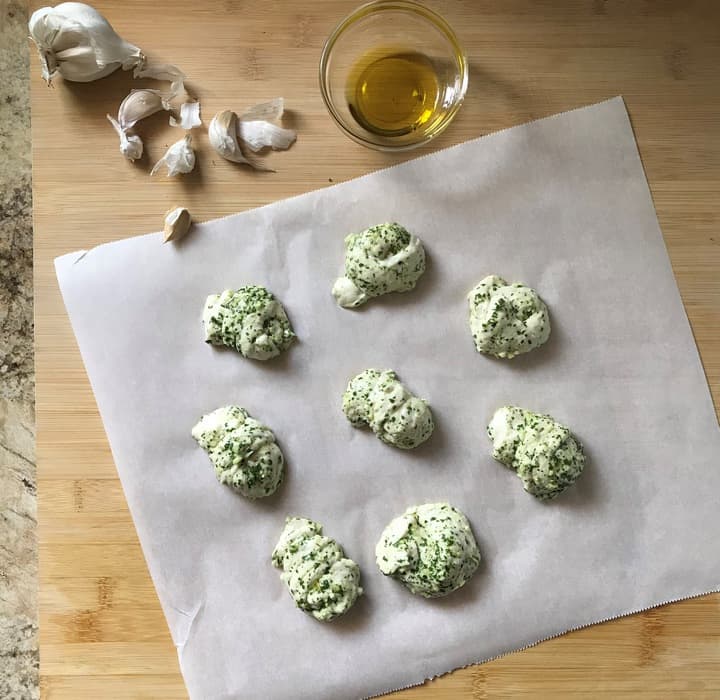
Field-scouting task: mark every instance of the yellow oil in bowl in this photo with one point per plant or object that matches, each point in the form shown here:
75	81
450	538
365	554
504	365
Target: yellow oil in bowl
392	92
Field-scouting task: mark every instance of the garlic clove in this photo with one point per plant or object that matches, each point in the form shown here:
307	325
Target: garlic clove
177	224
163	71
179	158
140	104
189	116
260	134
75	40
222	133
266	110
131	146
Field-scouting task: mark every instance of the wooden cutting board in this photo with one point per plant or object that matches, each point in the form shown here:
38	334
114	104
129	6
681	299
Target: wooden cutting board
102	631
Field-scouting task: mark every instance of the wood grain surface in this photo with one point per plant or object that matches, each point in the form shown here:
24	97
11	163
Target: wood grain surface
102	632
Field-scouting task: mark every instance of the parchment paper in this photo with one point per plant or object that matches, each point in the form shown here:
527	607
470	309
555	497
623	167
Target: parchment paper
561	204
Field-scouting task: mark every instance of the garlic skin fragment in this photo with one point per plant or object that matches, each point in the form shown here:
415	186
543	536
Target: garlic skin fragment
179	158
177	224
189	116
222	133
261	134
163	71
266	110
131	146
255	130
140	104
75	40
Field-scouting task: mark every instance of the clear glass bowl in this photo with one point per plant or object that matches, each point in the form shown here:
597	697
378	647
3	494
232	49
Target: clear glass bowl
406	26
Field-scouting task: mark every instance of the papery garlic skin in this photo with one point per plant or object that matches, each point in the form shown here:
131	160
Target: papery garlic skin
189	116
256	132
75	40
261	134
179	158
131	146
265	110
163	71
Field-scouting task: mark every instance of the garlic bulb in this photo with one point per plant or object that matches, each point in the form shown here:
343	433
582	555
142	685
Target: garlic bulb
189	116
223	138
140	104
75	40
131	146
177	224
179	158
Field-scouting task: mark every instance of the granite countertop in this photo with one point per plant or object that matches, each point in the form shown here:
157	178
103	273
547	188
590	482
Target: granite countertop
18	546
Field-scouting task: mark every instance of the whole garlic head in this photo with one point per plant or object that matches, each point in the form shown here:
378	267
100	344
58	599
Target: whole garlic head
75	40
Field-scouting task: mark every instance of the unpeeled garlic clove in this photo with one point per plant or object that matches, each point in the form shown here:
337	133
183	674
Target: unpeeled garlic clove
177	224
179	158
75	40
131	146
222	133
140	104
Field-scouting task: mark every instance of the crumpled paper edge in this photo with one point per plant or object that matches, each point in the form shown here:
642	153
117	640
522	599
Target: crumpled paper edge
619	616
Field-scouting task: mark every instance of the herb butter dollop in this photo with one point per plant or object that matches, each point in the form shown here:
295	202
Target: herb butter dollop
242	450
430	548
321	579
250	320
545	454
376	398
507	319
379	260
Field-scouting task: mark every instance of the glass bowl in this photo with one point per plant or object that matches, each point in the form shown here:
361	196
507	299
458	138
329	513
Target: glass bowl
410	29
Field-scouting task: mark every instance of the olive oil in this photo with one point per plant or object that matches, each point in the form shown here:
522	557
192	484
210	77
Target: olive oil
394	92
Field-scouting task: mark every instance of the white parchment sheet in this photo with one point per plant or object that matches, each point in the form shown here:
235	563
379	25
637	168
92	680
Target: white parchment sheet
561	204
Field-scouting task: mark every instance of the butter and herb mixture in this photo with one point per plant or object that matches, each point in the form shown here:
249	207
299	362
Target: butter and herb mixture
323	582
376	398
242	450
544	453
379	260
507	319
430	548
250	320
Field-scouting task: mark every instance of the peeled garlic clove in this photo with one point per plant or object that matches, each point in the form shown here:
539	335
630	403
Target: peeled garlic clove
179	158
266	110
75	40
140	104
260	134
163	71
131	146
223	138
189	116
177	224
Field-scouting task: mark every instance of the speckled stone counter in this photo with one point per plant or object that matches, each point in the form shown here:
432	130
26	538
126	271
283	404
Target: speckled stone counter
18	550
